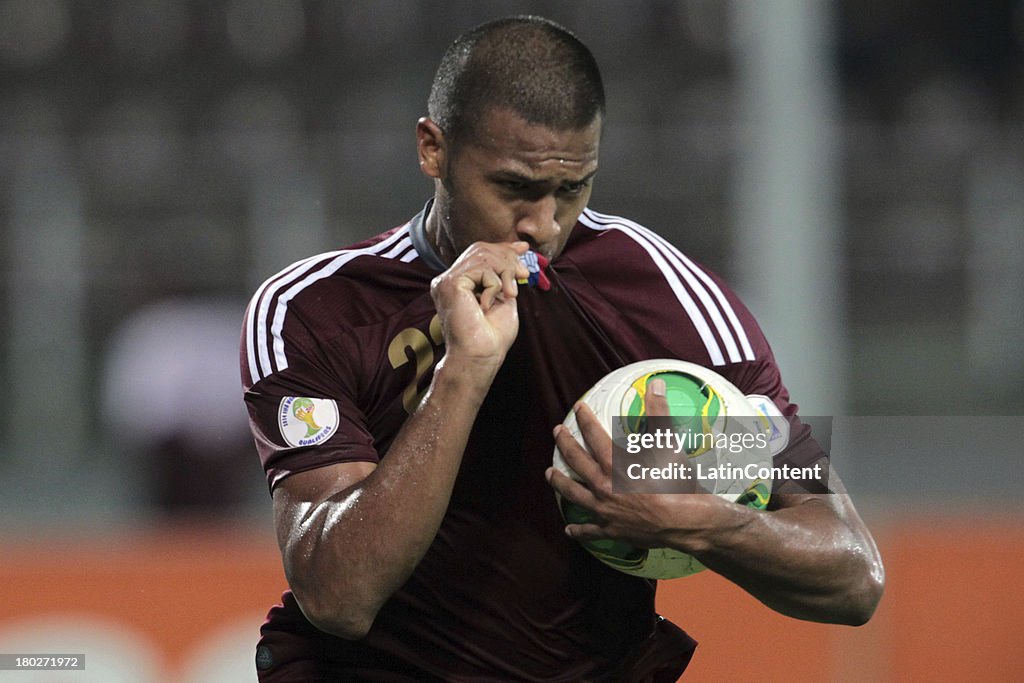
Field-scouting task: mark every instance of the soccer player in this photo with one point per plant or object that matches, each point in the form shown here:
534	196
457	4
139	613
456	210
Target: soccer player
403	393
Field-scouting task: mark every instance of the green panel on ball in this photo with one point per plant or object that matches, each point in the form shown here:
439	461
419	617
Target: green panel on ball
693	404
620	554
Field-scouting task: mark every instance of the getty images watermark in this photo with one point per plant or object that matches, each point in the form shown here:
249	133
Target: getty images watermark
667	455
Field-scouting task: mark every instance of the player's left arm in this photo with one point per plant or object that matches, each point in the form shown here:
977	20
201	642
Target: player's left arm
809	556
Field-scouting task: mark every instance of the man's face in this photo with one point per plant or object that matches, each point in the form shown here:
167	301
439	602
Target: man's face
512	181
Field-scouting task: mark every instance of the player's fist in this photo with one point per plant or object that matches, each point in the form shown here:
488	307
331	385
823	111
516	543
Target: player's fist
476	301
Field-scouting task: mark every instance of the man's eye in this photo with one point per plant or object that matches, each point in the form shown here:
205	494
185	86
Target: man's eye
575	188
514	185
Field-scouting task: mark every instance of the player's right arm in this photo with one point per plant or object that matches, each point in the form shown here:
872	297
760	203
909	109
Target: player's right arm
351	533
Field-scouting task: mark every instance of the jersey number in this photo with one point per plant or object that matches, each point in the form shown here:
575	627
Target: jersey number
413	343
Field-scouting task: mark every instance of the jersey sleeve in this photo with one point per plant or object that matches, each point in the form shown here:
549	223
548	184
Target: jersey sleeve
302	404
761	377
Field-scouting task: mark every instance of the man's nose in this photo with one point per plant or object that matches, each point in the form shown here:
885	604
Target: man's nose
537	224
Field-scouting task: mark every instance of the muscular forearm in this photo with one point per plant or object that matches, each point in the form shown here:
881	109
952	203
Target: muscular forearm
809	560
355	548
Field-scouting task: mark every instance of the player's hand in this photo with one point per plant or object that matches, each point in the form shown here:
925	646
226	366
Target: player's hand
645	520
476	301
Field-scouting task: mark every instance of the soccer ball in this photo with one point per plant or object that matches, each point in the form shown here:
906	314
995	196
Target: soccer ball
708	413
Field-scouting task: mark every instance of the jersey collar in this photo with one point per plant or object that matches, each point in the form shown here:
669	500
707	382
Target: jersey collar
418	232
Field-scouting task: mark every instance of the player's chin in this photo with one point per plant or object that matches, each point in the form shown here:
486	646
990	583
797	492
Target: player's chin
550	251
553	248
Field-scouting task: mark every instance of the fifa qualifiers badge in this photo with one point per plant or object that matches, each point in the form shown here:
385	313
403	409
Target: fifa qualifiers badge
535	263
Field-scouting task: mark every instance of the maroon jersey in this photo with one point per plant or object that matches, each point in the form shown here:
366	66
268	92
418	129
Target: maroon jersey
337	351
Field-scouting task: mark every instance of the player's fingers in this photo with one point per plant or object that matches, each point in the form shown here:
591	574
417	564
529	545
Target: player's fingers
578	458
570	489
518	271
655	400
494	268
595	435
585	532
509	285
489	288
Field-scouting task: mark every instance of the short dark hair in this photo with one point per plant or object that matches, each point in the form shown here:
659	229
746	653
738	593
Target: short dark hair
530	65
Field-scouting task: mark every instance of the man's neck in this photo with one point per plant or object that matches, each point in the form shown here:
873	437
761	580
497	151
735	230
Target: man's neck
432	229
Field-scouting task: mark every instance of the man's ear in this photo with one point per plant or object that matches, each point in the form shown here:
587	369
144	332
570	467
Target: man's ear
430	144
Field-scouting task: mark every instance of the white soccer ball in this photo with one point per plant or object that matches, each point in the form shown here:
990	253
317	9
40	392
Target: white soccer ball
709	413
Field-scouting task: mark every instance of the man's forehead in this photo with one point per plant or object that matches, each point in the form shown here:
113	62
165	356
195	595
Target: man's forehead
508	135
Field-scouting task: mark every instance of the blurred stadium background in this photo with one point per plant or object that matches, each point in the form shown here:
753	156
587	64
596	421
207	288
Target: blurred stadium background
855	168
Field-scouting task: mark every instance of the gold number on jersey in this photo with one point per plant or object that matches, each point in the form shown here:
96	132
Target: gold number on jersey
412	339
